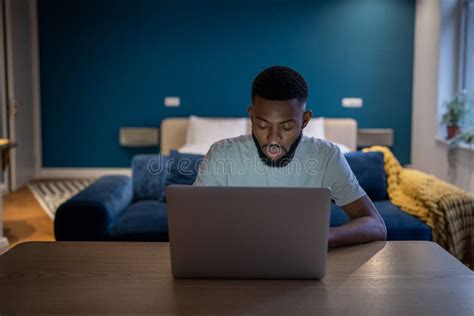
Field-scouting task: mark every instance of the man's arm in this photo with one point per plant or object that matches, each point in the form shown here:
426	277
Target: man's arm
366	225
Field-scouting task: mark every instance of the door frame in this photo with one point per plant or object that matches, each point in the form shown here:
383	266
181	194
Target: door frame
36	86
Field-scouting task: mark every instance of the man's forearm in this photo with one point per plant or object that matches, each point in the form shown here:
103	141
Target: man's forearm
359	230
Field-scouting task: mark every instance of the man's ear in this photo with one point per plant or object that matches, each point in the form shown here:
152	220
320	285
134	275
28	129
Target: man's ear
250	111
307	117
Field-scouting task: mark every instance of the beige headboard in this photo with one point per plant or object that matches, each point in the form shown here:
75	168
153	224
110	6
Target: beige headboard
338	130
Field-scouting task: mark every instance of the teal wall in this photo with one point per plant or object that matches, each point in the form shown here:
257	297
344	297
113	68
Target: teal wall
106	64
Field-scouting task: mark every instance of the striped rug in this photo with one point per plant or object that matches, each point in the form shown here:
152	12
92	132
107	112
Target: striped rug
52	193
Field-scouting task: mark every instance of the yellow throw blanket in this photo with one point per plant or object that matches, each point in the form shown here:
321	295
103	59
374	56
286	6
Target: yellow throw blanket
445	208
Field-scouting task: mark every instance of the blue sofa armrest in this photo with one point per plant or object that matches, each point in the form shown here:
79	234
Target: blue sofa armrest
88	215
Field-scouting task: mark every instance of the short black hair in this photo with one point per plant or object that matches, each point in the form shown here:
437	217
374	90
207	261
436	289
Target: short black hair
280	83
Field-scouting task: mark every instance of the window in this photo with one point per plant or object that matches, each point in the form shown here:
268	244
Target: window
468	59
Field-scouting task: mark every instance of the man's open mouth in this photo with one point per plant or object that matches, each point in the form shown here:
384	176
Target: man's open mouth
273	151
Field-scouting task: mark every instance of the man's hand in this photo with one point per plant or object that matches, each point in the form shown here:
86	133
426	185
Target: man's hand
366	225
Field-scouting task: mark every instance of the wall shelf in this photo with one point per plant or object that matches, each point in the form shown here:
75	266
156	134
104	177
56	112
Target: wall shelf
374	136
139	136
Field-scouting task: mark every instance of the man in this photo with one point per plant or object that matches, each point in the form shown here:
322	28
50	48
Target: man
278	154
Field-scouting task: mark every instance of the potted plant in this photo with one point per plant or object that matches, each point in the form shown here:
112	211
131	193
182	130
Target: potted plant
456	110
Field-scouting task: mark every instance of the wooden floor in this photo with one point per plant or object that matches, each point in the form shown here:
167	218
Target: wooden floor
24	219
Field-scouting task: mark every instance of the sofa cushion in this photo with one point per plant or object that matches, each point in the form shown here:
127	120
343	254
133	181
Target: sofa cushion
142	221
148	176
183	169
369	170
400	225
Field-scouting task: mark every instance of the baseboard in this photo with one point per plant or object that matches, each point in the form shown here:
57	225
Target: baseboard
78	173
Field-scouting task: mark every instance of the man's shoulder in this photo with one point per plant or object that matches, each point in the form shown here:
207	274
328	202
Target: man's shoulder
228	143
318	145
232	145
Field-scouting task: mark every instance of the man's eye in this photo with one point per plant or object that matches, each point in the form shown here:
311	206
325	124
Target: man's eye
287	127
262	126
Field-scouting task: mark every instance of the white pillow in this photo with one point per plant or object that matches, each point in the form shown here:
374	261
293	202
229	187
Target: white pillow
194	149
315	128
203	132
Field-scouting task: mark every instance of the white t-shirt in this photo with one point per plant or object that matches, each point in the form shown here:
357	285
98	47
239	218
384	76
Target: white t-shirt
316	163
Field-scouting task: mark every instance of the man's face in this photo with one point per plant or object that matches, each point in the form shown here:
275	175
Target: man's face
277	125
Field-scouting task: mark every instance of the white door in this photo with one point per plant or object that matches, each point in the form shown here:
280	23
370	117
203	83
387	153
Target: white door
3	130
21	72
3	77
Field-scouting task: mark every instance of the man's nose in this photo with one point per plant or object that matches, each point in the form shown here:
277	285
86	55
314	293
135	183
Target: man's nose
274	135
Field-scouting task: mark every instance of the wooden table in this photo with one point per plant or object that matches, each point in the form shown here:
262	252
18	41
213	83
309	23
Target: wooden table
403	278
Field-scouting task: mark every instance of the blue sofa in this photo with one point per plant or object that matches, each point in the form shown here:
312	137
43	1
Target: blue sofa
134	209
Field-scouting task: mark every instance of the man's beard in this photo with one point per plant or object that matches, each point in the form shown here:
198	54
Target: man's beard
280	162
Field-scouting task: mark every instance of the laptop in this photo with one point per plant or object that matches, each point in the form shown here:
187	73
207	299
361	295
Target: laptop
248	232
